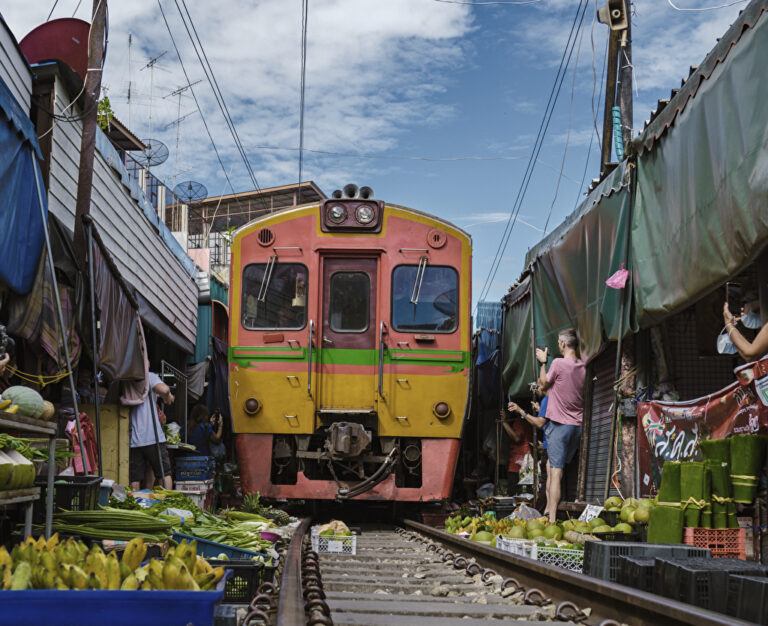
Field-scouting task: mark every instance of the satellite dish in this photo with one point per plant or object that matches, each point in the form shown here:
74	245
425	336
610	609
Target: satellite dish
155	154
190	191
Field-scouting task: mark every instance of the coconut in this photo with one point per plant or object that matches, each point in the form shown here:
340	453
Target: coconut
642	514
622	528
553	532
534	524
614	502
516	532
596	521
602	529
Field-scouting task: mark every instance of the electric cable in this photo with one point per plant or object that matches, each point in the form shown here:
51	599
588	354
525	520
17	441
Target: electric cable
303	85
497	2
53	8
722	6
197	104
568	136
543	127
211	77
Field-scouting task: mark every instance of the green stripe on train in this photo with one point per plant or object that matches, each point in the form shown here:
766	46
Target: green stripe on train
244	355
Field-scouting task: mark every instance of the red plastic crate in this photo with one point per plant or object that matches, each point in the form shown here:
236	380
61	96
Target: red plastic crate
726	542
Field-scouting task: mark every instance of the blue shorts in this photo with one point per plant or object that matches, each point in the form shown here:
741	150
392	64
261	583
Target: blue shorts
562	442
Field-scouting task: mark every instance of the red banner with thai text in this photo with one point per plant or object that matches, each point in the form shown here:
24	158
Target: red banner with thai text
672	429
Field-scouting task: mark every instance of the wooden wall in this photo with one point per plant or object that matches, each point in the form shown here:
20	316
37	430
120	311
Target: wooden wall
14	69
141	255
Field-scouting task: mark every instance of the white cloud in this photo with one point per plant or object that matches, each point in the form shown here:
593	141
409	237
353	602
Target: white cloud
374	69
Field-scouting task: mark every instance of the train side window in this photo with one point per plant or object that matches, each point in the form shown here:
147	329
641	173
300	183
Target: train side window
280	303
349	302
437	308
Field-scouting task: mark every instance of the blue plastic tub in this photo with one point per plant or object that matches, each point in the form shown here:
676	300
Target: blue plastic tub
115	608
211	549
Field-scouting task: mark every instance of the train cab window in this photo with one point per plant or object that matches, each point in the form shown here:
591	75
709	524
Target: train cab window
435	292
280	301
349	302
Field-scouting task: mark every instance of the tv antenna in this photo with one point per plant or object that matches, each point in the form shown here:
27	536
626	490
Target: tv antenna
151	65
179	118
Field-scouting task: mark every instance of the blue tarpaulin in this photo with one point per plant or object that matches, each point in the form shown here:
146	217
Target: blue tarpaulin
21	225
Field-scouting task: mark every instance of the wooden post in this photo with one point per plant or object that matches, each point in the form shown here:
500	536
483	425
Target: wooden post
90	112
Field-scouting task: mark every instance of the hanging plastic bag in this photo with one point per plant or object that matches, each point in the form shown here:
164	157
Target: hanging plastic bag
526	470
524	512
724	343
619	279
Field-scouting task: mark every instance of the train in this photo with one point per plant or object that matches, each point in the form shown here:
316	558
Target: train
349	350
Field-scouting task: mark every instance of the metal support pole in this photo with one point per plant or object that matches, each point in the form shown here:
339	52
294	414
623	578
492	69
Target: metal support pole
536	485
617	366
68	365
49	492
95	336
155	421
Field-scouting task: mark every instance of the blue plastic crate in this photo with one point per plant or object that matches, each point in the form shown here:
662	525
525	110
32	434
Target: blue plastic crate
211	549
117	608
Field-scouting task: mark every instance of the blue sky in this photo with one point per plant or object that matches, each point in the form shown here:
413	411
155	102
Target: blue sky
425	84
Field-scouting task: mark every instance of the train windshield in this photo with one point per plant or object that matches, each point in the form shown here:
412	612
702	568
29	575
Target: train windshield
349	307
274	296
437	305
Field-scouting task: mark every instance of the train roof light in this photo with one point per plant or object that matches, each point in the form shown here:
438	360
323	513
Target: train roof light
364	214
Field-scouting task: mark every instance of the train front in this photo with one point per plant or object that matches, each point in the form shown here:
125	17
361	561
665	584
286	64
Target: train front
350	351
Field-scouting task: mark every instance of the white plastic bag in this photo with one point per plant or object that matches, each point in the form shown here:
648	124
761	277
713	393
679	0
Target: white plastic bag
524	512
526	470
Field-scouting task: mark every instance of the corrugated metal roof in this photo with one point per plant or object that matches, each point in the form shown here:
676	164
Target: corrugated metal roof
669	110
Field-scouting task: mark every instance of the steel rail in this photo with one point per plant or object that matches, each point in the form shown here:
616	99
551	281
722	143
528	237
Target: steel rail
608	601
290	608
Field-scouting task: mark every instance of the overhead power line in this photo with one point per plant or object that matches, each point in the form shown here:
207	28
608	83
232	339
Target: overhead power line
578	20
722	6
210	75
197	104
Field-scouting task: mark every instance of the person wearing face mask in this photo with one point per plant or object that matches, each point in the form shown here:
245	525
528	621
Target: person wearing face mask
750	318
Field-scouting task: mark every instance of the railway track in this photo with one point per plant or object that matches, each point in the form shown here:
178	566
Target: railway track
415	574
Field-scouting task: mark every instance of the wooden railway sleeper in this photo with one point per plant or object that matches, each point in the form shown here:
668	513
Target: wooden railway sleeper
568	612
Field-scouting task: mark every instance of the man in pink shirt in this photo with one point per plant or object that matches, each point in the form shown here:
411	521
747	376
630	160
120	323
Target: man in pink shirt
565	383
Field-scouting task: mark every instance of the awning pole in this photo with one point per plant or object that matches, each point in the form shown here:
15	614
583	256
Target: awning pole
88	223
619	342
155	421
68	365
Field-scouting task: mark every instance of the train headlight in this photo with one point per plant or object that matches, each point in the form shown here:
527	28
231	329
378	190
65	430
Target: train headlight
364	214
337	214
252	406
441	410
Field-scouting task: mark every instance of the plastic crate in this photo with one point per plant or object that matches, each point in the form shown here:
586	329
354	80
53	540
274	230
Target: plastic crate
602	559
748	598
633	537
436	520
195	468
504	506
723	543
211	549
51	607
636	572
333	544
561	557
611	517
520	547
702	582
73	493
226	614
201	492
246	578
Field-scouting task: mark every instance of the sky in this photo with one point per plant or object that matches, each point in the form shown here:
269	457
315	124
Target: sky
435	104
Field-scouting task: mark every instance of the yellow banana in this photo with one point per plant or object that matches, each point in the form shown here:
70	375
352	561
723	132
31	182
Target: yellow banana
205	579
219	572
131	583
53	541
141	573
125	571
202	567
170	574
113	572
59	584
78	578
41	544
94	582
4	404
7	571
5	557
134	553
146	585
21	576
14	408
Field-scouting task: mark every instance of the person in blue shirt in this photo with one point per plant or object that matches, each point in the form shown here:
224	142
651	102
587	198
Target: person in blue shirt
205	429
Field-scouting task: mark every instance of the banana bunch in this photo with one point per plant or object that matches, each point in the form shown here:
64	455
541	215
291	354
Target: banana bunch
70	564
8	406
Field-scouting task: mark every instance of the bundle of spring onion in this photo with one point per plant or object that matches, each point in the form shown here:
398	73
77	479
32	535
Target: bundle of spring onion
240	531
116	524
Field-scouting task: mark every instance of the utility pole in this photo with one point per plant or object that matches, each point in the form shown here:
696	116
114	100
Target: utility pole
90	110
625	78
615	14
